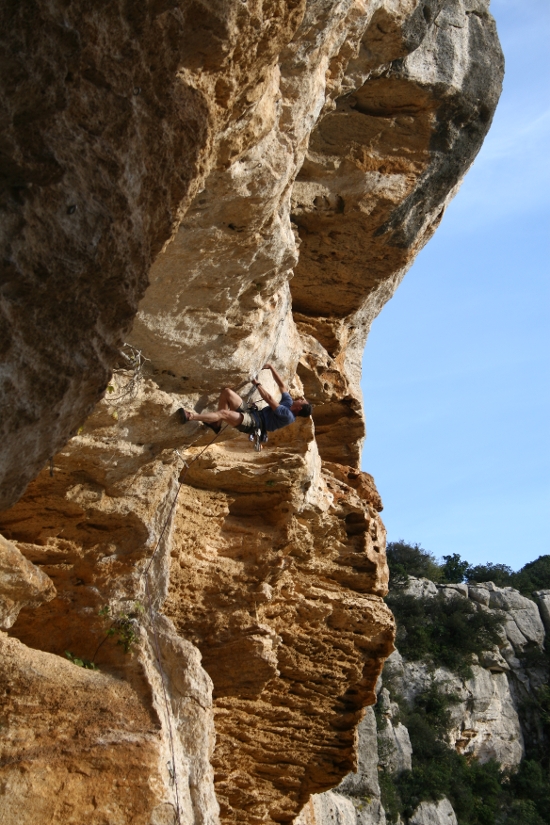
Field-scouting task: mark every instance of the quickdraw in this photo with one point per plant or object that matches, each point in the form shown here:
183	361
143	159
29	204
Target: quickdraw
258	436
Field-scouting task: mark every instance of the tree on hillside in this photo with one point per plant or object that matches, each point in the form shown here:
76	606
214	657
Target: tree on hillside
498	573
454	569
535	575
406	560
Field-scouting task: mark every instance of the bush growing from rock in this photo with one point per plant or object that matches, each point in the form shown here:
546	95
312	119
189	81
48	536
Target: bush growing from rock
406	560
447	632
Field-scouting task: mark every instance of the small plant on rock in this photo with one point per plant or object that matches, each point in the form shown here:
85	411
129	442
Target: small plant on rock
87	664
124	626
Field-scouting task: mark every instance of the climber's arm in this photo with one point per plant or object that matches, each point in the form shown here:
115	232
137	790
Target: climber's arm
267	397
278	380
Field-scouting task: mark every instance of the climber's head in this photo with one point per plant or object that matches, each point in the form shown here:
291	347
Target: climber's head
301	407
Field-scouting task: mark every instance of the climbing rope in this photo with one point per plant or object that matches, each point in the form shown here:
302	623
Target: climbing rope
182	480
136	360
151	614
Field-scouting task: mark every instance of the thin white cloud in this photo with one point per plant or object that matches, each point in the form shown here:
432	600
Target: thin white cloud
511	138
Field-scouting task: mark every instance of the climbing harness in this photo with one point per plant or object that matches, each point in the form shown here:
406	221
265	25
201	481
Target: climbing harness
258	436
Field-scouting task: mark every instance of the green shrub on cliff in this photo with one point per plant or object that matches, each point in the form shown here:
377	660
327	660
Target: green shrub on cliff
445	632
481	794
474	790
535	575
451	632
499	574
406	560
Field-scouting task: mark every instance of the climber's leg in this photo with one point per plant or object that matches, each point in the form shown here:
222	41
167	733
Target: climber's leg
227	411
231	417
229	400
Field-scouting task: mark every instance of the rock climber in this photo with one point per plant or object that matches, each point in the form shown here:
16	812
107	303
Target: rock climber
232	409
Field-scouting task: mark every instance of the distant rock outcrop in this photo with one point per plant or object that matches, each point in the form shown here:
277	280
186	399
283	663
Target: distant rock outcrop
488	713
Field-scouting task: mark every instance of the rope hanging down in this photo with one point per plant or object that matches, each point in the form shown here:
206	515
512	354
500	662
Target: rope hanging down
138	364
151	614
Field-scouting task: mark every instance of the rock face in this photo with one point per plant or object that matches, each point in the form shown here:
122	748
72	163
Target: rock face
488	717
112	118
272	567
272	169
486	723
21	584
394	743
434	813
88	745
377	107
543	598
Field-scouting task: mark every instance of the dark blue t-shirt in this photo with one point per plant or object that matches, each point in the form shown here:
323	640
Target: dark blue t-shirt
281	417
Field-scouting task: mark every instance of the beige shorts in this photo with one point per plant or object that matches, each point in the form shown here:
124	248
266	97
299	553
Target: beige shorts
248	423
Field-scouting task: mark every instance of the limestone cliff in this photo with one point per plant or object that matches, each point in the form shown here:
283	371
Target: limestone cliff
218	185
494	713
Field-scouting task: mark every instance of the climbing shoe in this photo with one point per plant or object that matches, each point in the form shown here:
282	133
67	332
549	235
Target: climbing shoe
216	427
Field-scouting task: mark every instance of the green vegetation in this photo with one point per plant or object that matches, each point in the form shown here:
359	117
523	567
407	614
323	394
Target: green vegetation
499	574
123	626
450	632
454	569
535	575
438	771
445	632
406	560
481	794
76	660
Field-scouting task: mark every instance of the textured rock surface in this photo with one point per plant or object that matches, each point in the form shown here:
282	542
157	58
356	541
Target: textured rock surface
489	720
486	723
145	108
77	739
294	654
80	744
112	117
271	567
543	600
21	584
328	808
434	813
334	809
358	797
394	744
524	625
364	780
297	156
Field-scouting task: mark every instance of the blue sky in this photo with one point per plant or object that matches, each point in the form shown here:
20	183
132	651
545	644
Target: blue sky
456	372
